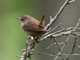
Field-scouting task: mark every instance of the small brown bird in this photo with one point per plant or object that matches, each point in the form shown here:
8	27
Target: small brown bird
32	26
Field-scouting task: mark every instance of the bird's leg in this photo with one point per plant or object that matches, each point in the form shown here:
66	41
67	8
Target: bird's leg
36	39
33	42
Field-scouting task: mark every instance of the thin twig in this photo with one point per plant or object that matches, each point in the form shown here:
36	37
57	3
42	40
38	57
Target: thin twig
77	25
57	44
57	15
71	54
72	49
51	55
57	32
62	47
53	47
77	46
71	1
58	47
51	30
54	44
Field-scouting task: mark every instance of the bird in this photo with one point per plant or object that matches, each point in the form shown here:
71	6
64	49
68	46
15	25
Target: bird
32	26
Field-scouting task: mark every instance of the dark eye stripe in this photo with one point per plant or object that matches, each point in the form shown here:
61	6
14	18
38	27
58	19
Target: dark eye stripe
22	19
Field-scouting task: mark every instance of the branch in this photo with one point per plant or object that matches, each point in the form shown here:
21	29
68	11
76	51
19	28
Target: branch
60	33
29	48
67	41
71	1
72	50
52	20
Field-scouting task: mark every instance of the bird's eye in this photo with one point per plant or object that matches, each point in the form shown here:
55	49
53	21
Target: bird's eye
22	19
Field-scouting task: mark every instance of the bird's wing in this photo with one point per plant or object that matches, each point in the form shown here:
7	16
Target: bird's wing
34	27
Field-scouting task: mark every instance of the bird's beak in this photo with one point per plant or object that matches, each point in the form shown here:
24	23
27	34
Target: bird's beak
18	18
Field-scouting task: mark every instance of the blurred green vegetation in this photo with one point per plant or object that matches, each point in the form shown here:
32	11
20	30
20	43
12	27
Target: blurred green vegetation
12	37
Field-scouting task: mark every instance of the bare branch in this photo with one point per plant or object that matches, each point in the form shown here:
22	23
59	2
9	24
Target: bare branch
64	31
51	30
71	1
57	15
72	49
67	41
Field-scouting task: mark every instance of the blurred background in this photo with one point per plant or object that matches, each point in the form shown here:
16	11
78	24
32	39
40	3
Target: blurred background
13	38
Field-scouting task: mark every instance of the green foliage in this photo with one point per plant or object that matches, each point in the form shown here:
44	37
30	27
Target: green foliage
12	37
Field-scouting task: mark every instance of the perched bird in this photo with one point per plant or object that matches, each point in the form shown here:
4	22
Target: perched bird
32	26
